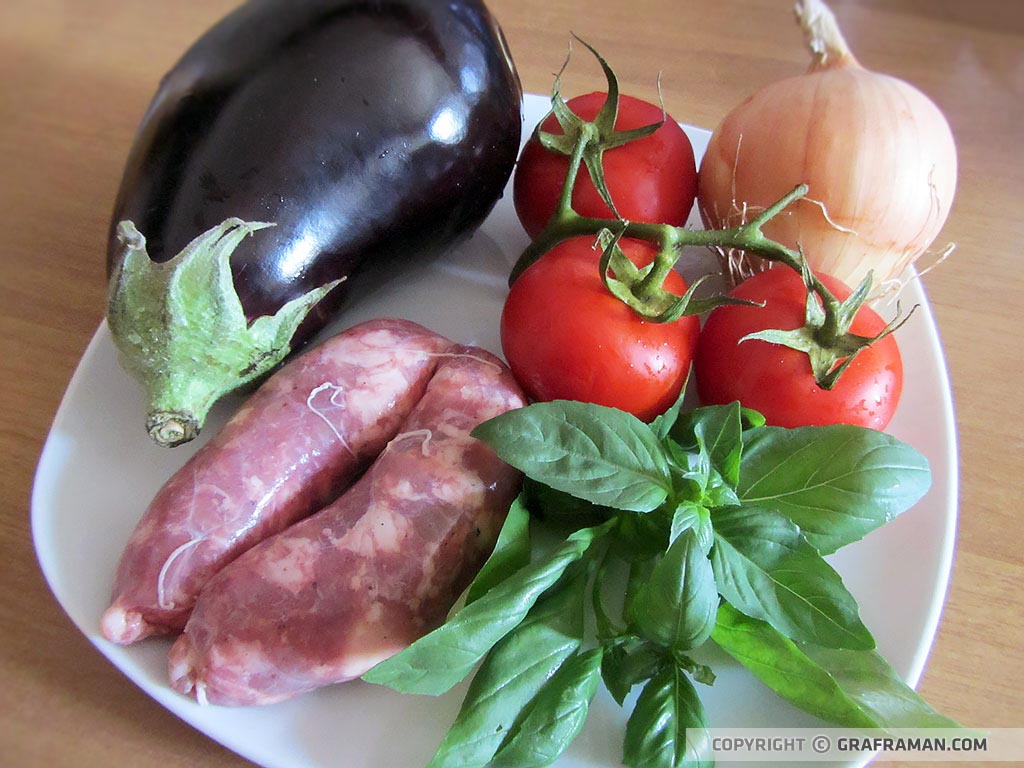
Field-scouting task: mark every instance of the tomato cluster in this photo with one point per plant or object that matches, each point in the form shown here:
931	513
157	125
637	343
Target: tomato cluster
566	336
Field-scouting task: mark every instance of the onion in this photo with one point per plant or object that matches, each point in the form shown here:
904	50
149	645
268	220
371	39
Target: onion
877	154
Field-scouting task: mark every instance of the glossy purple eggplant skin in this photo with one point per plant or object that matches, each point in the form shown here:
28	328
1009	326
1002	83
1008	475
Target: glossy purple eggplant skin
369	131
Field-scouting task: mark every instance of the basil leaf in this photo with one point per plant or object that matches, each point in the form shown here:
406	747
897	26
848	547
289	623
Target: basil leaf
603	455
764	567
663	424
440	659
555	716
657	728
854	689
695	517
779	663
710	450
867	678
605	627
511	552
696	479
690	471
546	503
751	419
630	661
512	675
837	483
639	575
677	606
719	493
641	537
720	429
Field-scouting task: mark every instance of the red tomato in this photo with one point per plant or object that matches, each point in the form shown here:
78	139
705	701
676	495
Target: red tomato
653	179
566	337
777	380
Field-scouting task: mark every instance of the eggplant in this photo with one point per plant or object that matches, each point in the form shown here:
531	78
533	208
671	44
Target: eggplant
294	145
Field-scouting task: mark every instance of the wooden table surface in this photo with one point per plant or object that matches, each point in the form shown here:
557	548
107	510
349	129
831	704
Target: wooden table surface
75	78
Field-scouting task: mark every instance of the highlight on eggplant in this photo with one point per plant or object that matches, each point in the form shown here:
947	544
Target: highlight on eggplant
294	146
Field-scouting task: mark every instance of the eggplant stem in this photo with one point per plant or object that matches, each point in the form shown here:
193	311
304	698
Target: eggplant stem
169	429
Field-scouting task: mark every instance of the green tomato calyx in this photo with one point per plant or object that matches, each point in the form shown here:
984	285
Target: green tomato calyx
825	337
586	141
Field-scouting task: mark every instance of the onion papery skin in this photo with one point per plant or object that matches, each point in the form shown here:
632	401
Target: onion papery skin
876	153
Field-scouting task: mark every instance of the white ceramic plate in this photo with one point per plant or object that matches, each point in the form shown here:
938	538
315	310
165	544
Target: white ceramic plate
99	470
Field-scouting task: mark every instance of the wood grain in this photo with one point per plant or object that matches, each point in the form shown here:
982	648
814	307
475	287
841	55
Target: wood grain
76	79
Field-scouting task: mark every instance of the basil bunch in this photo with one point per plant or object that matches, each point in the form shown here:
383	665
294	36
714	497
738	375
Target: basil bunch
719	524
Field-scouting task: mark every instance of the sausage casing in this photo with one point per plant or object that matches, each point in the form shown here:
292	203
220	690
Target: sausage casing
338	592
301	439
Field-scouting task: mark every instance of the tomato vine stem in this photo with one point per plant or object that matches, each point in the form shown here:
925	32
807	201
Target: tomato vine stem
566	224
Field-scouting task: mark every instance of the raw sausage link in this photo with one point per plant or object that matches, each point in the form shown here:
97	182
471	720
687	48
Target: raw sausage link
296	444
331	596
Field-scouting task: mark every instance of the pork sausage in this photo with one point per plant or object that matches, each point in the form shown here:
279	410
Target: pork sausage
336	593
301	439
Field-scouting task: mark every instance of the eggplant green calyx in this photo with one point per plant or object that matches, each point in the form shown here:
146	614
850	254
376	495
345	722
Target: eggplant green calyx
182	332
825	336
